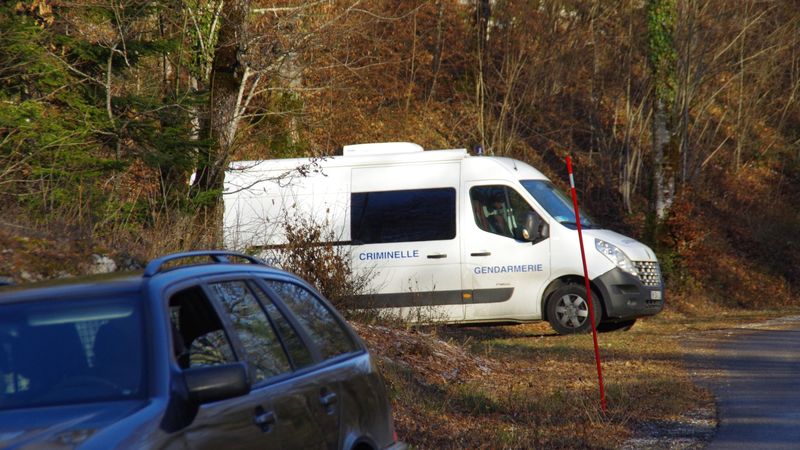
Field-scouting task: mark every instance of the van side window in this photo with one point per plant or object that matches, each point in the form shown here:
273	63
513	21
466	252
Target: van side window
499	210
403	216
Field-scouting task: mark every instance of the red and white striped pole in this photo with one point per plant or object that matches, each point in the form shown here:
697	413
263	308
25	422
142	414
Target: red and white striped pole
588	289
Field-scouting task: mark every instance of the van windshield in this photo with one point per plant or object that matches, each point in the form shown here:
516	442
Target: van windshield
556	203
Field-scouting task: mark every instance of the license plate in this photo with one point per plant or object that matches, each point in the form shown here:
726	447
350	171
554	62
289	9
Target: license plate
655	295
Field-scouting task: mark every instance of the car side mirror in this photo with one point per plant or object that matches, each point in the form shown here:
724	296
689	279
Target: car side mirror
534	229
213	383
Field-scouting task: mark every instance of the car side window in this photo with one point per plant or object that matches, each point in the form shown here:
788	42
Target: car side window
499	210
298	352
318	322
198	336
210	349
258	337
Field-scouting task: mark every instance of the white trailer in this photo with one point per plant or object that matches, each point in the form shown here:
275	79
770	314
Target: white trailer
469	238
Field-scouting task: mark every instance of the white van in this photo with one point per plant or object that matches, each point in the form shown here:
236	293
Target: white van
474	239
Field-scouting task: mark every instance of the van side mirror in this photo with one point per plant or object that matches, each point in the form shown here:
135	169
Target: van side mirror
213	383
534	229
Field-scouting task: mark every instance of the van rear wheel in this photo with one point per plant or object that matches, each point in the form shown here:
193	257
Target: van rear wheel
568	310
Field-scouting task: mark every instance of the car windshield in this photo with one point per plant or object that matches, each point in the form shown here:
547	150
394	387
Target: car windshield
556	203
70	351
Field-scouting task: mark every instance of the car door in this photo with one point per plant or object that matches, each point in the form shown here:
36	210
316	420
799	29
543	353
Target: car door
504	272
278	412
333	347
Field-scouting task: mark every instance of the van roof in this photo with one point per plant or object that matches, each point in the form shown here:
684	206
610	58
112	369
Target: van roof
364	155
520	169
383	148
361	159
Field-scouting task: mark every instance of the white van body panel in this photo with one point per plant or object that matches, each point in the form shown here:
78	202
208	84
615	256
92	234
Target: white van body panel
633	248
473	276
563	261
259	194
413	268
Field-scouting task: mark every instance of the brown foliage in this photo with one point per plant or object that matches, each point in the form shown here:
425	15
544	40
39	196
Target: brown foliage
540	81
312	253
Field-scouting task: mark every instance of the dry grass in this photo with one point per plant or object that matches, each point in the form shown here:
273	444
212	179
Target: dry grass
525	387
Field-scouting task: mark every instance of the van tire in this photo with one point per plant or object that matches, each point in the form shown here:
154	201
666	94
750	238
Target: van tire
568	310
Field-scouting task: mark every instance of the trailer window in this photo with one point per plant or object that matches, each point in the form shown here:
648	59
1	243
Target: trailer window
403	216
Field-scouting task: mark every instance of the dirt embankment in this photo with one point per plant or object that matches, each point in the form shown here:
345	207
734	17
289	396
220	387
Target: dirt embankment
525	387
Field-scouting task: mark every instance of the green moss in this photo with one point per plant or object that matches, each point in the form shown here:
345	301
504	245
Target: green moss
661	52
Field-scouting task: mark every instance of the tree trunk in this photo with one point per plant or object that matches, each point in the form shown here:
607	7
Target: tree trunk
662	58
482	13
664	176
220	121
228	77
437	50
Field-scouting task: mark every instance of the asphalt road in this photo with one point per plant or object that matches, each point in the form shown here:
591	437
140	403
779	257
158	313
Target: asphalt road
755	377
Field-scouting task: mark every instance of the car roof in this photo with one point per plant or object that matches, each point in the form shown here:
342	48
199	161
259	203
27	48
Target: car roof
91	286
121	283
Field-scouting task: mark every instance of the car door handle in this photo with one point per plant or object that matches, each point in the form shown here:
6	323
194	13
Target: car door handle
264	419
327	399
480	254
437	256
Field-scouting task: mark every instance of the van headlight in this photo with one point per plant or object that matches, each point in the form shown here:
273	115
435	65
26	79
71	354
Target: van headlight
616	256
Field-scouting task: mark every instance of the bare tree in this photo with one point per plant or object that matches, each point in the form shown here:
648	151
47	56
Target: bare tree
228	79
662	16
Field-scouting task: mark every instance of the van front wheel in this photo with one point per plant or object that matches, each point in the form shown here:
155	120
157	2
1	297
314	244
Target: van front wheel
568	310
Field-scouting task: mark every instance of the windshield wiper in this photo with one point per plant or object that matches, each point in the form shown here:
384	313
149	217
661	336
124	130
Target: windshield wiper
571	223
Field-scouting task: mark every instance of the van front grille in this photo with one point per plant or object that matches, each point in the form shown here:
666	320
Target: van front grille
649	273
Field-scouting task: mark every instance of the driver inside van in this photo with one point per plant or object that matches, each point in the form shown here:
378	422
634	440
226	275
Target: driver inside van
492	209
497	215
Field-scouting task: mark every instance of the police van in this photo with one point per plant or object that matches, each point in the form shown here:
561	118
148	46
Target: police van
468	238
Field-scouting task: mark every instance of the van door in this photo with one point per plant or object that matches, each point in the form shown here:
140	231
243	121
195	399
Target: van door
504	272
403	225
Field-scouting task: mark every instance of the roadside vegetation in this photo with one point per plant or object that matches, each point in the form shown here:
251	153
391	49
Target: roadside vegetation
682	119
525	387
